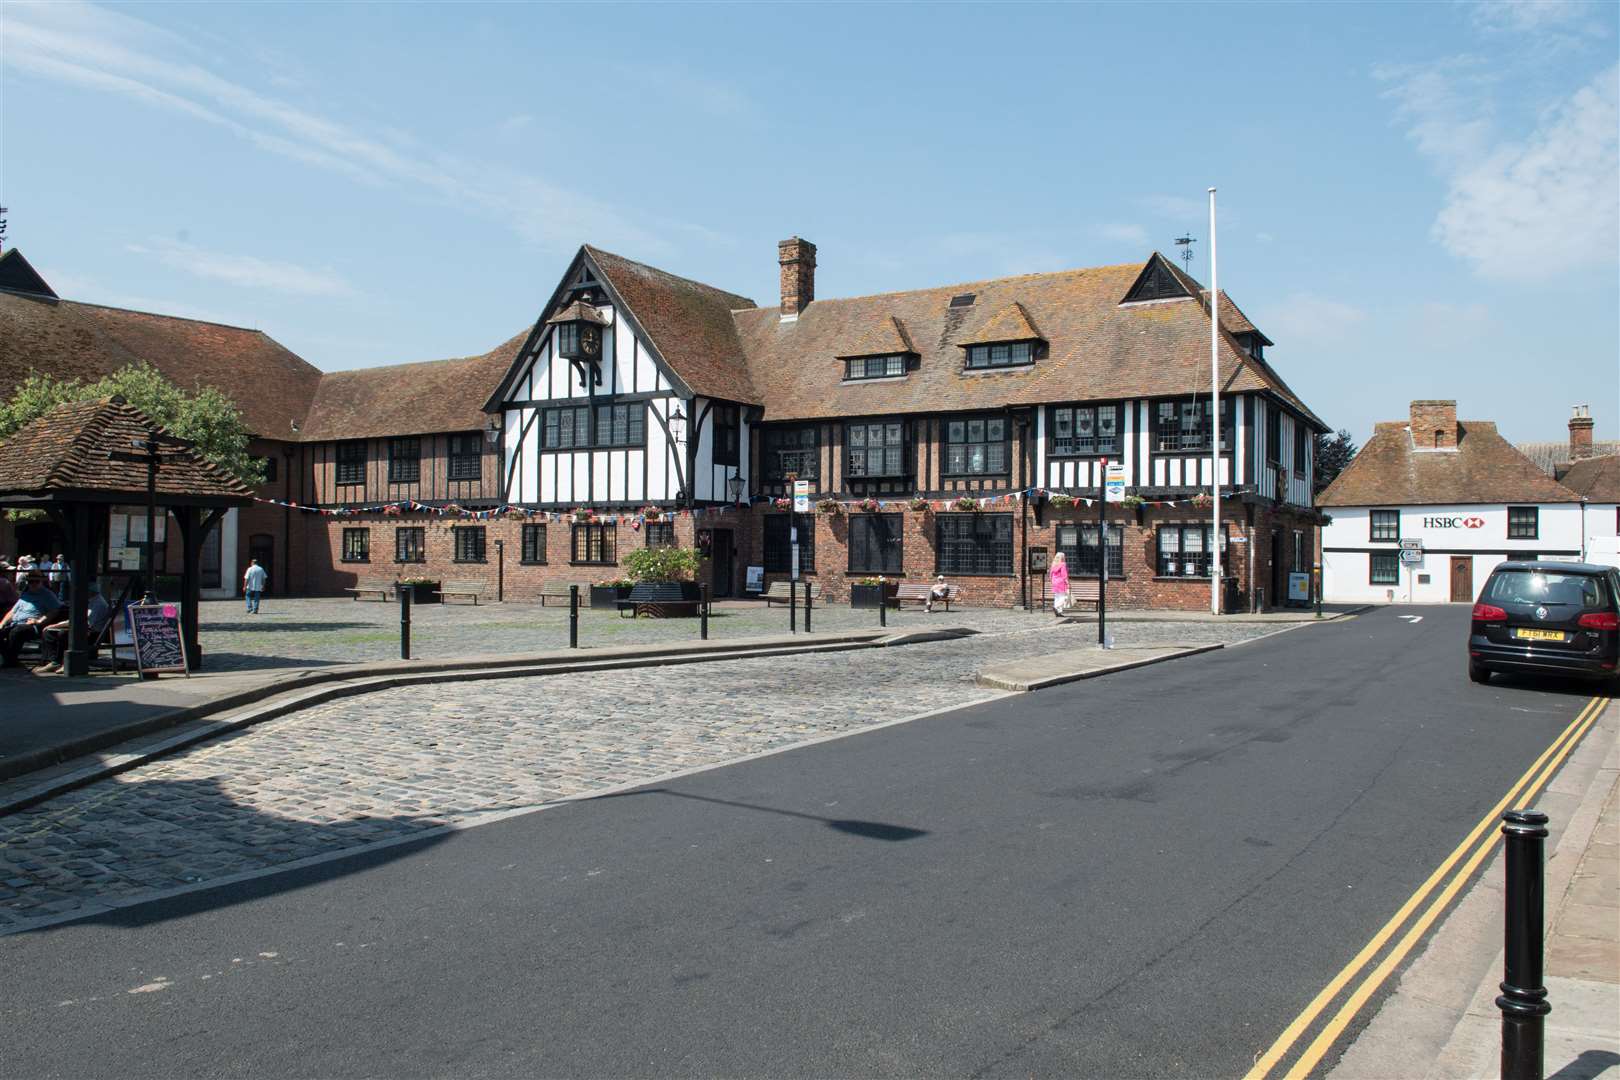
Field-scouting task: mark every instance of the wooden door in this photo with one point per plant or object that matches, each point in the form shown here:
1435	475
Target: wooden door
1462	579
722	563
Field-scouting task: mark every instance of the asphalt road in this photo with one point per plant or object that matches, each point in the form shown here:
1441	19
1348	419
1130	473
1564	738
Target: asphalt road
1144	875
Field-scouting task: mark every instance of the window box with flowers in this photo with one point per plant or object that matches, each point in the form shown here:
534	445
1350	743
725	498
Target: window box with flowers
782	504
827	506
423	590
869	506
918	505
966	505
870	592
1060	501
607	594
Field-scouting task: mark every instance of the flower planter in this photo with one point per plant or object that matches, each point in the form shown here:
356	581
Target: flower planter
867	596
608	596
422	592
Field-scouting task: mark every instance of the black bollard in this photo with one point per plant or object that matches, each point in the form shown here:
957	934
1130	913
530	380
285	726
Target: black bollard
703	612
883	607
793	605
1524	994
404	620
573	616
807	606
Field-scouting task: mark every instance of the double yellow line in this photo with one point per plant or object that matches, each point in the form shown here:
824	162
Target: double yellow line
1528	786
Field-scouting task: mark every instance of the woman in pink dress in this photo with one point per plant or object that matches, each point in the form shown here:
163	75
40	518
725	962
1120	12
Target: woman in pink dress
1059	573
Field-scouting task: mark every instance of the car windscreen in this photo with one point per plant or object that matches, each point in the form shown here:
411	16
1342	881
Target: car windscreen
1546	588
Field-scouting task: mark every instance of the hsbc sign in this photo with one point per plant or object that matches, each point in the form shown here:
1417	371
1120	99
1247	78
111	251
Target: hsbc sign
1458	521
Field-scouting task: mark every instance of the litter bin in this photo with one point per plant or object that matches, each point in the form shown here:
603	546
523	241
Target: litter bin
1229	595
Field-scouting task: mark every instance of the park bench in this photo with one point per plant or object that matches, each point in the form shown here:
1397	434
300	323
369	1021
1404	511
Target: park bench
366	586
1084	592
778	592
657	600
558	590
920	594
474	589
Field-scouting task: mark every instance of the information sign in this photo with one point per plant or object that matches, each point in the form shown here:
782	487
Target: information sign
1114	484
1411	556
755	581
155	629
1299	588
801	496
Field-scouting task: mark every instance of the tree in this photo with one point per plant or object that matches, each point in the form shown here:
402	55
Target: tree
1333	453
204	417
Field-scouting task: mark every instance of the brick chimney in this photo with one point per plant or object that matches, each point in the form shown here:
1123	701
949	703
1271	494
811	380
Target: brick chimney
798	261
1580	433
1434	425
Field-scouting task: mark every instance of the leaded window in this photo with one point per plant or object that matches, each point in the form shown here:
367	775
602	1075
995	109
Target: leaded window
534	545
1183	425
351	462
410	544
875	367
1184	550
620	425
1085	429
795	450
779	544
1385	525
1301	440
727	433
1273	435
876	450
404	460
660	533
595	544
356	545
1524	522
968	545
1384	568
1079	546
976	445
466	457
875	544
469	543
1002	354
570	428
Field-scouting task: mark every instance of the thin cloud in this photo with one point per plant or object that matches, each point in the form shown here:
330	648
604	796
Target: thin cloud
246	271
1308	320
1124	234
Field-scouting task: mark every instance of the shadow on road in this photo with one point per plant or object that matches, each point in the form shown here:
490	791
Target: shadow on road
871	830
1588	1066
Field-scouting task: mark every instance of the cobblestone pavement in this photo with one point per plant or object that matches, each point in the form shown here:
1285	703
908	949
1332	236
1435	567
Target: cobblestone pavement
302	633
398	762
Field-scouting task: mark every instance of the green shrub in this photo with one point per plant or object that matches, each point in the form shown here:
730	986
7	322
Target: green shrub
662	564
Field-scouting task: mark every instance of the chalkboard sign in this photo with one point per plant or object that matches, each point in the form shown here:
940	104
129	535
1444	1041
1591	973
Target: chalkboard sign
156	630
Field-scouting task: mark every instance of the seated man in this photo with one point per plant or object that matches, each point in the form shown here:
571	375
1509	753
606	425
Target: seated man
937	591
56	634
28	617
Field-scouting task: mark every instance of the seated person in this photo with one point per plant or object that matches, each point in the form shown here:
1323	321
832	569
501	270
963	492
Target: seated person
8	590
937	591
56	634
35	609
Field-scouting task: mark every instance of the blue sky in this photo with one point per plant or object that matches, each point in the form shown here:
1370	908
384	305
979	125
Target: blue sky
1417	200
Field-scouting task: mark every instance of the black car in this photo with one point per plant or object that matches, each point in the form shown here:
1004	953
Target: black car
1553	617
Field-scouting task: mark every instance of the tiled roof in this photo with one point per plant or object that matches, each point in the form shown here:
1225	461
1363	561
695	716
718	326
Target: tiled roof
1011	323
17	274
1233	319
408	399
271	385
1097	349
1484	468
1549	455
886	336
688	322
1597	478
67	450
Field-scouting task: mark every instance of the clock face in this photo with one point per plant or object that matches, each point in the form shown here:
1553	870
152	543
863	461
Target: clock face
590	340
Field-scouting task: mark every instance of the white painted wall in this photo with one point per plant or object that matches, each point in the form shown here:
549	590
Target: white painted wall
1445	531
1603	533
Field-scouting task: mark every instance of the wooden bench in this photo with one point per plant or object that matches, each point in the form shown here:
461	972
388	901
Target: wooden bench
1084	592
920	594
474	589
366	586
558	590
658	600
778	592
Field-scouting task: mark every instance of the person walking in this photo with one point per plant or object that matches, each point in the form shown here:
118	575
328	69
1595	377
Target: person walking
1059	573
254	580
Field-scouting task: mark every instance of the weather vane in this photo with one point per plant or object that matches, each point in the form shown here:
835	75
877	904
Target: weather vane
1185	243
2	228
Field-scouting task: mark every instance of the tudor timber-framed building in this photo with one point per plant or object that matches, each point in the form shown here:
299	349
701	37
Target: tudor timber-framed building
635	388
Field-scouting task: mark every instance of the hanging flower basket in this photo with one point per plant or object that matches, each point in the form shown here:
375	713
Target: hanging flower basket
827	506
1202	501
782	504
583	516
966	504
392	510
869	506
1061	502
652	513
1133	502
918	505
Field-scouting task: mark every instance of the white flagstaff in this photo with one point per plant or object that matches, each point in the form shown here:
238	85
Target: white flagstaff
1215	414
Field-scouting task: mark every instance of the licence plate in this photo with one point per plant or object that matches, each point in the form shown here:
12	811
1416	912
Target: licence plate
1539	635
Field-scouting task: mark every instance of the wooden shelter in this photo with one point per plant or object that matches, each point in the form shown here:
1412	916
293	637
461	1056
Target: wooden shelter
83	457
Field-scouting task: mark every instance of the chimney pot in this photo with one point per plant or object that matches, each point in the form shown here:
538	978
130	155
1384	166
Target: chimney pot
797	259
1580	433
1434	425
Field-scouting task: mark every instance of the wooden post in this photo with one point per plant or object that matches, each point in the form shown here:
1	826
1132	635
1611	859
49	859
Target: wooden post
76	660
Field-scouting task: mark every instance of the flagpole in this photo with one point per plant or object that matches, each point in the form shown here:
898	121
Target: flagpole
1215	414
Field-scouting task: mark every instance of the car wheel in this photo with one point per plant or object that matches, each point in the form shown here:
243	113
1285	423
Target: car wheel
1479	672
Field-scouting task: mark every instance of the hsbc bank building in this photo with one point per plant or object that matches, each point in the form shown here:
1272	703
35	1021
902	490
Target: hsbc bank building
1431	504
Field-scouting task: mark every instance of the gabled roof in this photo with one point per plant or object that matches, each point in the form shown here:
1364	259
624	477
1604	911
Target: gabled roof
1548	456
578	311
407	399
1485	468
1597	478
17	274
1011	323
1235	322
67	451
1159	279
1097	348
887	336
272	386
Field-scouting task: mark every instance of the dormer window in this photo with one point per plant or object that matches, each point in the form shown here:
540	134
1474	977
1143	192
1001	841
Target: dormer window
1002	354
875	367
